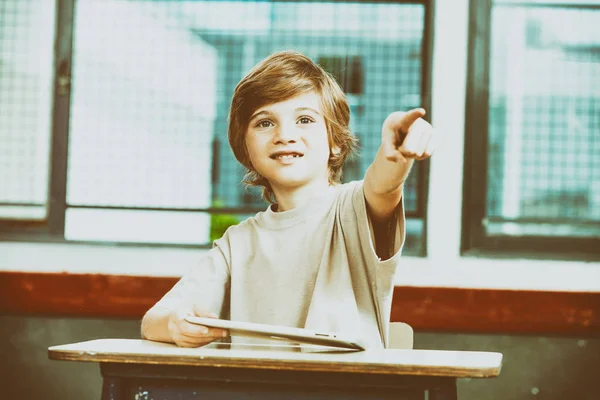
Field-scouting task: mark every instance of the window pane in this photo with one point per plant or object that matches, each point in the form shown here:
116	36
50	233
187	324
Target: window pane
28	212
544	125
142	114
137	226
372	49
153	81
26	74
143	105
145	226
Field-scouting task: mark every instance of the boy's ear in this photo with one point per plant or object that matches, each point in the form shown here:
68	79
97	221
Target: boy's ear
335	151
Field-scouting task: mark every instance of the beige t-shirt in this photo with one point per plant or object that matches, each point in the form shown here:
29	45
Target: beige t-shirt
314	266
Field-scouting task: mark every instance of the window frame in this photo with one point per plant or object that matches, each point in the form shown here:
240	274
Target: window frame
47	229
474	240
52	229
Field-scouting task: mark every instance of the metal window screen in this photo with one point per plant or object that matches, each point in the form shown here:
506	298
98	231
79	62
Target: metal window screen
153	81
544	122
26	59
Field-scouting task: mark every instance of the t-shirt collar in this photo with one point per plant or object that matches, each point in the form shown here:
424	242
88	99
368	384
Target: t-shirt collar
279	220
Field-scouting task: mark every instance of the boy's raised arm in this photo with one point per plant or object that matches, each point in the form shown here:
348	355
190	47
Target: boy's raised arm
405	137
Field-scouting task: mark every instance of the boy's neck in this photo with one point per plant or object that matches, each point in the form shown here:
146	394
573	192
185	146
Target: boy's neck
290	198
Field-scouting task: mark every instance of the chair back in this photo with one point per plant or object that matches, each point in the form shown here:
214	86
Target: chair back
400	336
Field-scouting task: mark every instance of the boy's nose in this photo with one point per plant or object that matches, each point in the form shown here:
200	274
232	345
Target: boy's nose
285	134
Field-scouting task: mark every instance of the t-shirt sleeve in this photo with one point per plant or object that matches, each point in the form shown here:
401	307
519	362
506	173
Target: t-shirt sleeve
205	285
359	240
355	217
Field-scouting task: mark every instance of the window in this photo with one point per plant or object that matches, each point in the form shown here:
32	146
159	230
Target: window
26	74
533	133
144	125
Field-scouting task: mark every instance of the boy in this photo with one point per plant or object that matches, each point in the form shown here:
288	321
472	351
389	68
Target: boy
324	254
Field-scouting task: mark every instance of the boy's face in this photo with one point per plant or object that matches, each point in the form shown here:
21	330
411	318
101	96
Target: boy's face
288	143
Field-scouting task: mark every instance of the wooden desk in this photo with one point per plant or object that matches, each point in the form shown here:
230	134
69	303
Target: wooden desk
141	370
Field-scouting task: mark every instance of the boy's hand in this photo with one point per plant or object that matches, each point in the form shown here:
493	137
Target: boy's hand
186	334
405	135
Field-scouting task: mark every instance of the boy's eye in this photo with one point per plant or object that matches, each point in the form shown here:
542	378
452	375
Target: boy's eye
306	120
265	123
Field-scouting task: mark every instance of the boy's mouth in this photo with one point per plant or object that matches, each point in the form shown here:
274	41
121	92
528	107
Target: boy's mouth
286	155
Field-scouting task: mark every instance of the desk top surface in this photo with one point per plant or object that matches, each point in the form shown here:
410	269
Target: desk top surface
459	364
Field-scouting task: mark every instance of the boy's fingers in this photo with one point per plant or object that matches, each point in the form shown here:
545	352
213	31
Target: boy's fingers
426	137
196	342
186	344
427	153
429	150
212	333
417	139
410	146
200	312
193	330
393	155
217	333
402	121
389	147
408	119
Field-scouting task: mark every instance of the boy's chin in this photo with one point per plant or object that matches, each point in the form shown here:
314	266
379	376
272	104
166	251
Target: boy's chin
292	181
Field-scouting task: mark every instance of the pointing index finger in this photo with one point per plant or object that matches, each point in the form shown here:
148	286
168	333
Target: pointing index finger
409	118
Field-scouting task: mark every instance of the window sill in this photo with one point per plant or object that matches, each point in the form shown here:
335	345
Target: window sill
463	272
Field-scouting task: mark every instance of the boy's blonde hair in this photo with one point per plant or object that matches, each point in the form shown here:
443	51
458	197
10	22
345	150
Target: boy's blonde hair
280	77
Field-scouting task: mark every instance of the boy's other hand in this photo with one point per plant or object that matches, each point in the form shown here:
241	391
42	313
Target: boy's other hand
186	334
406	135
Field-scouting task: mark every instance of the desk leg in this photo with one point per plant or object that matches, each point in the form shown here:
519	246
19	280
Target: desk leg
447	393
111	388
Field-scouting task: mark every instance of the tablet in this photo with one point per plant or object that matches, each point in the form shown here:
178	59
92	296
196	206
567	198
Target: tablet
300	335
